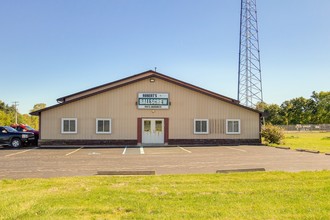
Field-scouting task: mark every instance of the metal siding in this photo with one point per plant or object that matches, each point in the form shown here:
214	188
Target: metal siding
120	105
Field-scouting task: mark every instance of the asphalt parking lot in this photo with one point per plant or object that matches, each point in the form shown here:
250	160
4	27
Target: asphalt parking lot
47	162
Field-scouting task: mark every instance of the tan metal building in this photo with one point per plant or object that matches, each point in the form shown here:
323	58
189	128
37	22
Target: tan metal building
148	108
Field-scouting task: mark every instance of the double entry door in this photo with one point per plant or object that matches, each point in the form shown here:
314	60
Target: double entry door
153	131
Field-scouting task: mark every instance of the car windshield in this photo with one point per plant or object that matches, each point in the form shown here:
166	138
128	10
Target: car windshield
29	128
10	129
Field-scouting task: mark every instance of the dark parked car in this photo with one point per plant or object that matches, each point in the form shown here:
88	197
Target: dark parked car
24	127
11	137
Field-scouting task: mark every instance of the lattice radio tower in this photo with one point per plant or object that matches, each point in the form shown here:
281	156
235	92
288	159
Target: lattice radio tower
249	70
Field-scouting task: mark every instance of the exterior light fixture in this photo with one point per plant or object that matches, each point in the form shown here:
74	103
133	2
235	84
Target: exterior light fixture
152	80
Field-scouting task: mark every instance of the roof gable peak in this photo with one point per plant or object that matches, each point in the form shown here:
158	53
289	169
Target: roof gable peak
135	78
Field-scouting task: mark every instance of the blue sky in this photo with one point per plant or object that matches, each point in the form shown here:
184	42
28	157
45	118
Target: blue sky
53	48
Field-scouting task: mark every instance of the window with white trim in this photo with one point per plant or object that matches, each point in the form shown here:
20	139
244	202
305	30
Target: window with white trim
201	126
103	126
233	126
69	126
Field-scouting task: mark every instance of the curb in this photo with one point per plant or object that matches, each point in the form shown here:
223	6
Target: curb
312	151
127	172
301	150
284	148
308	151
241	170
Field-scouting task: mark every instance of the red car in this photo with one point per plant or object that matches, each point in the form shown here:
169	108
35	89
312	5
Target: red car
27	128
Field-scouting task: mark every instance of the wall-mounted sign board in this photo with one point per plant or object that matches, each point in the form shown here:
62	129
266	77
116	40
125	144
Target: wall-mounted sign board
153	101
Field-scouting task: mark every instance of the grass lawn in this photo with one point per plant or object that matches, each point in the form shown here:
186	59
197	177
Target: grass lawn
308	140
261	195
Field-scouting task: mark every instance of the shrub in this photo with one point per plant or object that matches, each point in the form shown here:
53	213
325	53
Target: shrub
272	134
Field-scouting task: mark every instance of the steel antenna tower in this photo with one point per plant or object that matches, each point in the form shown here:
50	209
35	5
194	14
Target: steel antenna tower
249	70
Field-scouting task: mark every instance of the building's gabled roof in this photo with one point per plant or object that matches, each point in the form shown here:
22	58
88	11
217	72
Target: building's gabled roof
103	87
132	79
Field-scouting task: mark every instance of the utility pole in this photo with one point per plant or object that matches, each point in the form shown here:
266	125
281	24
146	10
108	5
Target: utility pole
249	68
15	104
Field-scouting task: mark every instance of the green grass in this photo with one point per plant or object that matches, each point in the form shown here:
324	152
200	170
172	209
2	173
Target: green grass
261	195
308	140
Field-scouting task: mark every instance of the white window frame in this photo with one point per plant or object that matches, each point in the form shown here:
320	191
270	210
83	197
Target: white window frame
69	132
239	126
110	125
207	126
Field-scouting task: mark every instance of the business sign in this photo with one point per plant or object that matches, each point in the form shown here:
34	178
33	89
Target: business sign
153	101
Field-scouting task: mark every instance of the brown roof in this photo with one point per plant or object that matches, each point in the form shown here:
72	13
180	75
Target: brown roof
135	78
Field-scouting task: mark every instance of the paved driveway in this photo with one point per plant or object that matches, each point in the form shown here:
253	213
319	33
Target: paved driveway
86	161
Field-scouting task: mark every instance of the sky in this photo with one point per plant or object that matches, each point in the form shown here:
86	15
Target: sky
53	48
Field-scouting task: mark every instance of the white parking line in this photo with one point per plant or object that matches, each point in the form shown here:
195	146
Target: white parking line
74	151
141	150
188	151
236	149
125	150
21	152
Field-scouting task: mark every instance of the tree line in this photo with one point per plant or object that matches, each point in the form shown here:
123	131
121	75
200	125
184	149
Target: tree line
7	115
314	110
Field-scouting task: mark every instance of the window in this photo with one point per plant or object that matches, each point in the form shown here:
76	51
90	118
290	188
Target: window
233	126
201	126
69	125
147	126
103	126
159	126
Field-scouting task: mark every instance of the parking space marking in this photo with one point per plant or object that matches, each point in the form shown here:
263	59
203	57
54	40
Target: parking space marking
141	150
133	150
188	151
125	150
72	152
21	152
236	149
